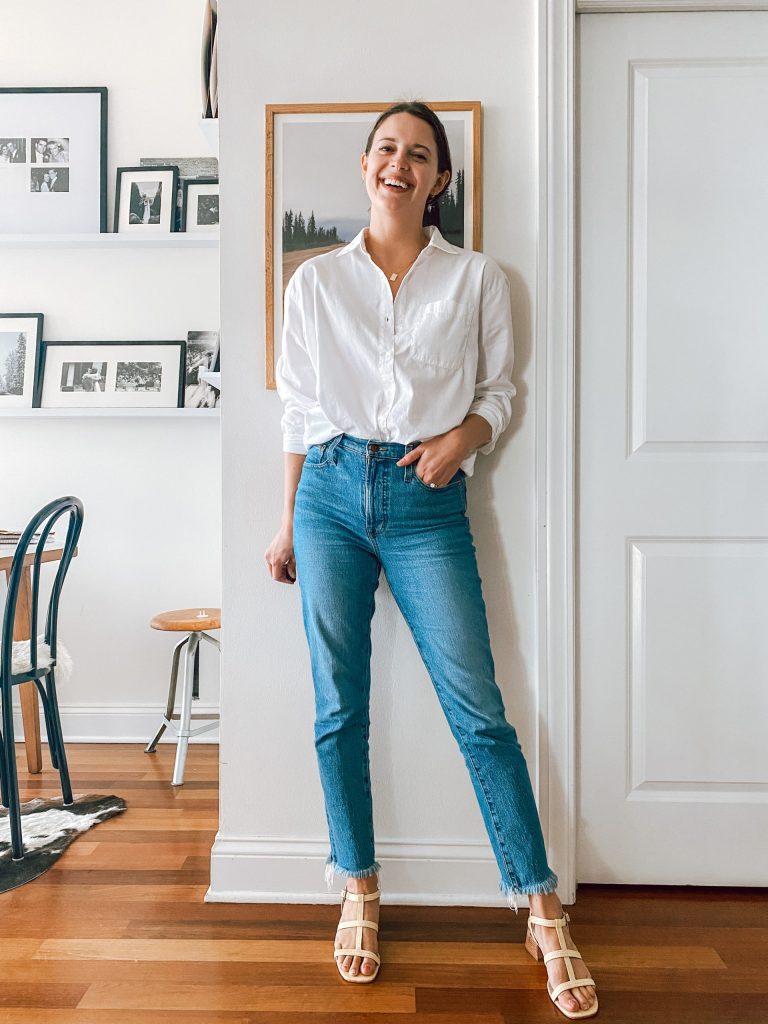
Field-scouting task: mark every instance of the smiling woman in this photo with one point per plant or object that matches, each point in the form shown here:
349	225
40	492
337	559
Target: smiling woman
395	370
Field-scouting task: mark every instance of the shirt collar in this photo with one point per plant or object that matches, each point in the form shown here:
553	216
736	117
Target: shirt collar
436	241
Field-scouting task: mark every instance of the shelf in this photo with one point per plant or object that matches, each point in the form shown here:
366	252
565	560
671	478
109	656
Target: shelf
212	377
88	413
209	126
112	240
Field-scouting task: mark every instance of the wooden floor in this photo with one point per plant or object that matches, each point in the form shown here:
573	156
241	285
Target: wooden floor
117	932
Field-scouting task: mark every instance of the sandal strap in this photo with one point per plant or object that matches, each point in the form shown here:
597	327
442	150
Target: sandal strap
551	922
553	953
360	897
578	983
357	952
362	923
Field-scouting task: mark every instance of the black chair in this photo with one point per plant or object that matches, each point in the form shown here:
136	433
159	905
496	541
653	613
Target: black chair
38	663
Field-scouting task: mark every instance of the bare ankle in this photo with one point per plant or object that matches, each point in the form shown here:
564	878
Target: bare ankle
544	904
366	885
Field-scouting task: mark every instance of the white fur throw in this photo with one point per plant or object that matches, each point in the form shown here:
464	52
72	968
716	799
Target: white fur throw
21	662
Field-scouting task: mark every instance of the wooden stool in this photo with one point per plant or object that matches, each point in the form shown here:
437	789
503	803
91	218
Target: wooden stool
193	621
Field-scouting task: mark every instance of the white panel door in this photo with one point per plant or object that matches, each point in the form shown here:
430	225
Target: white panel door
673	449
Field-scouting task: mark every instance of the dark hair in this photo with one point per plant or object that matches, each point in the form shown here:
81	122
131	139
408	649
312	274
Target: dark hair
419	109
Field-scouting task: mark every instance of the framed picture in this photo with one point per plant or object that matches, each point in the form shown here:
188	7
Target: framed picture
200	205
21	336
190	167
202	354
53	160
112	374
317	206
145	199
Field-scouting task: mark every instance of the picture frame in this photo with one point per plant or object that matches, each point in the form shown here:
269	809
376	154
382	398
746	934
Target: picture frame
21	338
192	167
330	195
145	199
200	205
111	375
53	159
202	353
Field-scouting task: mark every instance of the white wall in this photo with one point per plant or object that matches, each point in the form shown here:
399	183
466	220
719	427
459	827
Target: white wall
150	485
430	837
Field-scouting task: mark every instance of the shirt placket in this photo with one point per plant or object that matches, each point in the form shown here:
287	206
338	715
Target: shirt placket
387	362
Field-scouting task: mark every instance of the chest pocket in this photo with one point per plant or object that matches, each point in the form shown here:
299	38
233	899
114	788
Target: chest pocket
440	333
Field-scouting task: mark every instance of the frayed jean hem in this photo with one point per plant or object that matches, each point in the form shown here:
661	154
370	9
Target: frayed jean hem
511	892
331	868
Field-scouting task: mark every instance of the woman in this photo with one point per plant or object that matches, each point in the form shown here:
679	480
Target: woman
401	335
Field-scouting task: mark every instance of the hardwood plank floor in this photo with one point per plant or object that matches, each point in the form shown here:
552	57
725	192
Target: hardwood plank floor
118	929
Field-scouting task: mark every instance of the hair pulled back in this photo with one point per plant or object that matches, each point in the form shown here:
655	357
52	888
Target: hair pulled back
418	109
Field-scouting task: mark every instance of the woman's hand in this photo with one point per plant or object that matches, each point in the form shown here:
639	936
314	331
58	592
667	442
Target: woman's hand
280	558
440	457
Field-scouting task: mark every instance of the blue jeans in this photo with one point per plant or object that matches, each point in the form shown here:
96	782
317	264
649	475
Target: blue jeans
355	512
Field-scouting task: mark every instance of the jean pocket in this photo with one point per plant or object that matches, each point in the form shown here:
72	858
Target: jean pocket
317	456
455	481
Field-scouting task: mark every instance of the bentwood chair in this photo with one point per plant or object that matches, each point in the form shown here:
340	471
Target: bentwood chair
34	660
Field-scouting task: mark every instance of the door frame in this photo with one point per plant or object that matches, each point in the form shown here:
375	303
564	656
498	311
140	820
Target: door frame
555	355
555	438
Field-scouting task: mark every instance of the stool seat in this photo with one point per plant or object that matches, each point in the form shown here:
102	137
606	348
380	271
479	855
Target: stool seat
188	620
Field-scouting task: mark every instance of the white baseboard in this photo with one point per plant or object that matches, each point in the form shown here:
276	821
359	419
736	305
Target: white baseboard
246	869
118	723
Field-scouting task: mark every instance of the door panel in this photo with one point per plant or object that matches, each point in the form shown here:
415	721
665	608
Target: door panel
673	448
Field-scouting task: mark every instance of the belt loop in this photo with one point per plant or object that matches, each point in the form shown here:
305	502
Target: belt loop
409	468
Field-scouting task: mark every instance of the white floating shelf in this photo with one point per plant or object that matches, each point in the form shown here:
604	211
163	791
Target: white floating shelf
87	413
212	377
113	240
209	126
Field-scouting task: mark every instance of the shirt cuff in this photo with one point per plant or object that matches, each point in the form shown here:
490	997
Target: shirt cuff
487	411
295	446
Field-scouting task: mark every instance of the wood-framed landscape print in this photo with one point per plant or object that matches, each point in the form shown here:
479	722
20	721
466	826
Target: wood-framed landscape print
53	160
112	375
21	335
145	199
319	204
200	205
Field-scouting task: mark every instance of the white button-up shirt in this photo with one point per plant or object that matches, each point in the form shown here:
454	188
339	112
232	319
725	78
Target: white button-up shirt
356	361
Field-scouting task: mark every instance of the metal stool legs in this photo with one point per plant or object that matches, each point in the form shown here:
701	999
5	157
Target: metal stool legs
150	748
185	716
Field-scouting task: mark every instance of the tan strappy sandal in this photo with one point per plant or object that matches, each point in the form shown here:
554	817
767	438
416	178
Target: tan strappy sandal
359	922
532	945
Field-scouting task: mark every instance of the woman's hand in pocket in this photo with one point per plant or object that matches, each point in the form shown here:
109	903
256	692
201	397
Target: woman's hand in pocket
439	458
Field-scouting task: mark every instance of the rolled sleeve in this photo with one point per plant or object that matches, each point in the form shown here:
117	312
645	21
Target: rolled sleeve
494	389
294	373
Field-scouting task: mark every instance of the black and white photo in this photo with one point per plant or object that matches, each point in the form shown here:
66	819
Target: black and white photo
53	140
90	377
145	199
20	340
202	354
50	179
139	376
191	168
112	374
200	205
207	211
13	151
50	151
